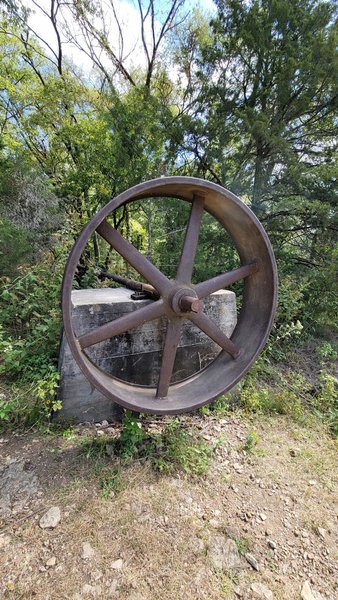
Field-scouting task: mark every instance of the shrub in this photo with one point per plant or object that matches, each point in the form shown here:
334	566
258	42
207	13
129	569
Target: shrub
30	333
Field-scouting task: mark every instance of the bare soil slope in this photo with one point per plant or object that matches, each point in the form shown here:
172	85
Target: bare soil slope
262	523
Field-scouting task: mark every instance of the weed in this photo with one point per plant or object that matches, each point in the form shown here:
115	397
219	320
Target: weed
178	450
242	545
93	448
251	441
110	481
6	408
220	406
132	436
327	351
68	433
172	450
326	401
226	587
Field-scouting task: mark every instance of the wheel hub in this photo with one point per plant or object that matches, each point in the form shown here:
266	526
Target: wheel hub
186	300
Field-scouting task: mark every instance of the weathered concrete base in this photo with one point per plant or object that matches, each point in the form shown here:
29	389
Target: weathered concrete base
134	356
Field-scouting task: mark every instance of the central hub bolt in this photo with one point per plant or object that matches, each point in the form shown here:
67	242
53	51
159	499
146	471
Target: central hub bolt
184	301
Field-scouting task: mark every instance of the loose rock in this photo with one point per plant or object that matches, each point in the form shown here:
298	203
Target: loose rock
223	553
91	590
17	487
51	562
87	551
261	591
51	518
252	561
117	564
309	594
4	540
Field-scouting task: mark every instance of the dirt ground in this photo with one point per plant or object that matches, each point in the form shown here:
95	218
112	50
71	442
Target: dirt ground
262	523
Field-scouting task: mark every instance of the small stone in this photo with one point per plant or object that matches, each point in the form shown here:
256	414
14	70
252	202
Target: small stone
261	591
91	590
104	423
100	432
223	553
272	544
113	586
262	516
321	532
110	450
252	561
87	551
4	540
51	562
117	564
309	594
238	467
51	518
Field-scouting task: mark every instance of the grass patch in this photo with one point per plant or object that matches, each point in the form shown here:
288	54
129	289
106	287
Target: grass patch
243	546
172	450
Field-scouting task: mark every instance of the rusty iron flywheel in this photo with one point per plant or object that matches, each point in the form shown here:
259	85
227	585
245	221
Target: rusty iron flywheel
179	299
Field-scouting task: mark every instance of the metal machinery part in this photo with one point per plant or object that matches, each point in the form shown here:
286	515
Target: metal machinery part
180	299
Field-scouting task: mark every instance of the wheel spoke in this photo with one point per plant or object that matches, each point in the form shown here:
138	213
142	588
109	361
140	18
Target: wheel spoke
172	339
205	288
186	265
212	330
129	321
151	273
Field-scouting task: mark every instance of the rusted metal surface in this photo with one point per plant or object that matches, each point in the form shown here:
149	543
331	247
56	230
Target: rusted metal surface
148	290
180	299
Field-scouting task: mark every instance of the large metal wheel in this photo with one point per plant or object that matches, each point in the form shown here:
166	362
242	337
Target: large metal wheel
180	299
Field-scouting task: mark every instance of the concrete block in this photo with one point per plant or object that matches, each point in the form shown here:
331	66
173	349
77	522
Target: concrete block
134	356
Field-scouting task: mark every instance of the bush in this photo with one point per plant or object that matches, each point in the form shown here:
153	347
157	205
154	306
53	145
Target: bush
30	333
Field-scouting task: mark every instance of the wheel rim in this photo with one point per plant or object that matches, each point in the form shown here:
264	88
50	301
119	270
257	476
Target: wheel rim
181	299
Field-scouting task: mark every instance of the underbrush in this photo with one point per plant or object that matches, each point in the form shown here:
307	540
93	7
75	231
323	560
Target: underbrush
29	341
169	451
297	381
300	383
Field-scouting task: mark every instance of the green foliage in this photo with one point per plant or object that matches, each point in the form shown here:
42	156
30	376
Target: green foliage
252	108
178	450
111	482
251	441
30	335
243	545
220	406
15	247
284	399
132	436
326	350
326	401
274	387
172	450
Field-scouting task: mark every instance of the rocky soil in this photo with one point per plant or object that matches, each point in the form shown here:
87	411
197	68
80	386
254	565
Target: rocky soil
262	523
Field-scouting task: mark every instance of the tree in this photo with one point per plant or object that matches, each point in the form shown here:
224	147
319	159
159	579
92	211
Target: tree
263	122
